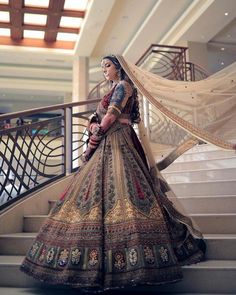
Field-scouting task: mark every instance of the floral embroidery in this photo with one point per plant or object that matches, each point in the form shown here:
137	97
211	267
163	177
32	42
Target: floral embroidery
119	260
34	249
75	256
118	95
189	245
133	256
50	255
42	255
164	254
93	257
63	257
149	255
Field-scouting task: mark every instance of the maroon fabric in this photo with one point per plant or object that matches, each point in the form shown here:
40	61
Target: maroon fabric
106	98
138	146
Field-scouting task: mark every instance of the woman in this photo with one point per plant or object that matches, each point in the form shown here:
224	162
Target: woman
112	228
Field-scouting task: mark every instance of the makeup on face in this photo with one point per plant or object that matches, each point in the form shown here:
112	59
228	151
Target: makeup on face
109	70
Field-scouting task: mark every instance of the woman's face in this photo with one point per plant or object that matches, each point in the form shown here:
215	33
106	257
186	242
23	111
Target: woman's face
109	70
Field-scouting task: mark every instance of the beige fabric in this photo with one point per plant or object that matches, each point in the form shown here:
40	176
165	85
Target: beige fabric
210	103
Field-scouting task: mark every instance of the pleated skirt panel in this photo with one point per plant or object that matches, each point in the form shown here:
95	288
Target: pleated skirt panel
110	230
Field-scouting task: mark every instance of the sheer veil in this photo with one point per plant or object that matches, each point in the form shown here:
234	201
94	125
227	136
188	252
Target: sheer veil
192	112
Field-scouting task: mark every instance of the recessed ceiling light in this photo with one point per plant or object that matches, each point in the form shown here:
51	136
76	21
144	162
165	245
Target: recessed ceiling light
4	16
36	19
38	3
67	36
34	34
5	32
222	48
222	63
75	5
70	22
226	13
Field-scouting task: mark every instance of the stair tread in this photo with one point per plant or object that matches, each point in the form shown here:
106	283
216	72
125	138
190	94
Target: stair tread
19	235
35	215
212	214
196	170
209	196
225	264
182	160
219	236
204	181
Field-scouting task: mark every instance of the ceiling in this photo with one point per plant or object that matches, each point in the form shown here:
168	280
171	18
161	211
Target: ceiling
45	23
126	27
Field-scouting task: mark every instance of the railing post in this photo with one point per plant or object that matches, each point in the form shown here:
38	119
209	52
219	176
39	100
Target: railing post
68	140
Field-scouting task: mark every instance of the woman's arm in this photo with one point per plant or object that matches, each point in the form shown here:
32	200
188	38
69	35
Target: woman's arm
118	100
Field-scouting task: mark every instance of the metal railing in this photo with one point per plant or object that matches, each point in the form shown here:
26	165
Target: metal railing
171	63
166	61
41	149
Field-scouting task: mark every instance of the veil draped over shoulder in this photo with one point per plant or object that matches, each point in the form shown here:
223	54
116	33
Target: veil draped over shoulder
191	113
202	111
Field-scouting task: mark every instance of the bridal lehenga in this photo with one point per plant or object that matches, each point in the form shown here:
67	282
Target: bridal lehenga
116	225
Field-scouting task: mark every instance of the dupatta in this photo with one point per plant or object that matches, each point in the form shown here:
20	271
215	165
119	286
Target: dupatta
192	112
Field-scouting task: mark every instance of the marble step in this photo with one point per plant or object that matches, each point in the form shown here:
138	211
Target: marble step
202	164
203	188
208	223
216	223
16	243
206	155
199	175
208	204
221	247
206	148
215	276
196	149
212	276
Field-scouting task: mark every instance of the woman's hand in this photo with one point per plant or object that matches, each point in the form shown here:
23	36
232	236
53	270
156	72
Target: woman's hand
87	154
94	127
94	140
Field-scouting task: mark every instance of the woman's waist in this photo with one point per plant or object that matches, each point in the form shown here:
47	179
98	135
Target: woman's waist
119	124
124	121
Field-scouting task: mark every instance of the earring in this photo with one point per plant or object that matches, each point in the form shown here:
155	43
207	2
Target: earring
119	74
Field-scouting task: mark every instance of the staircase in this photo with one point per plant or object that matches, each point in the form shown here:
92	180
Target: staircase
204	179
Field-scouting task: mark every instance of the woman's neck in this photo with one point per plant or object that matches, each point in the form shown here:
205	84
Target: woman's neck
115	82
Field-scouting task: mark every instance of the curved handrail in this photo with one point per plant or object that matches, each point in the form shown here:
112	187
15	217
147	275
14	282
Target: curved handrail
37	153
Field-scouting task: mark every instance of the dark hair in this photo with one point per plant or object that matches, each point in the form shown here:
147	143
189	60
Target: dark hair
135	115
122	73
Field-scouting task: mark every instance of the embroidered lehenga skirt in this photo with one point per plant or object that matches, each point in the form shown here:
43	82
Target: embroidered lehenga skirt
111	230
